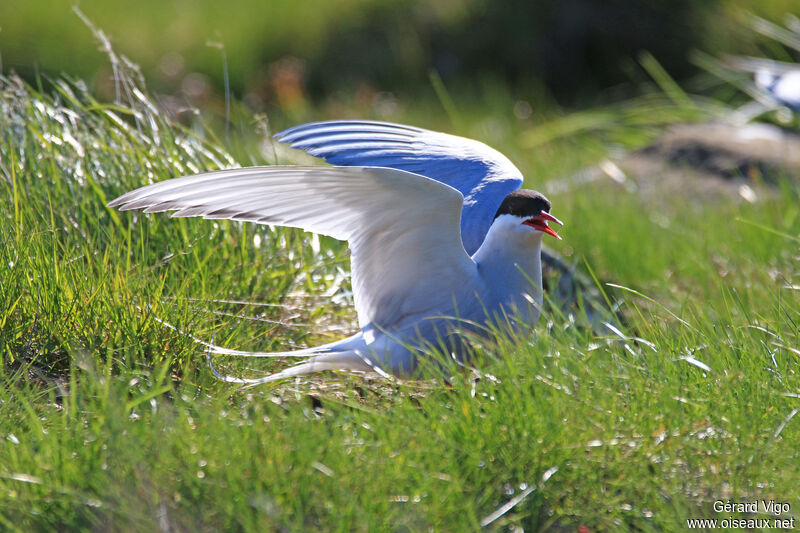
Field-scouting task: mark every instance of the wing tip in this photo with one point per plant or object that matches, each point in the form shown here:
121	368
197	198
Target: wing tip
121	200
290	135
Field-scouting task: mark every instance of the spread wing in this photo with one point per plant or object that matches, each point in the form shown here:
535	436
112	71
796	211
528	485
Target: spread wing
481	174
403	229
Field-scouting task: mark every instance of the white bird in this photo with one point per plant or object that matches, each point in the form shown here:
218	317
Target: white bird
783	85
442	242
778	82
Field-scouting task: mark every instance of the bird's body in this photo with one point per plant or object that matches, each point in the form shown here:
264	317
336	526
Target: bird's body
417	285
778	82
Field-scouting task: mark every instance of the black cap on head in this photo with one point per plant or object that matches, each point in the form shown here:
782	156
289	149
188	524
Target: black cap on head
523	203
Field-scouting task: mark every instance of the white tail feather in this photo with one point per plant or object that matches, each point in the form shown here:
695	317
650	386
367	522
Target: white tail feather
219	350
349	361
321	358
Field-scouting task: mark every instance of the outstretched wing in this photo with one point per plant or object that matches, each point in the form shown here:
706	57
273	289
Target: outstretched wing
403	229
482	174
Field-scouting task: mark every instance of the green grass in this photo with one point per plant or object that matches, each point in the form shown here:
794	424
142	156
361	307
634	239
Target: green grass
110	421
44	33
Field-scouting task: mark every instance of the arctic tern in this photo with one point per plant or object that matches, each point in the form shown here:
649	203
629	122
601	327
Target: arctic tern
443	242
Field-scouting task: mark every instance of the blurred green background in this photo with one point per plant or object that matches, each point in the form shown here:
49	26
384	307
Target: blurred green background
370	56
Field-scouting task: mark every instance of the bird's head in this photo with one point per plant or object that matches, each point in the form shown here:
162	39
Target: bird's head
526	211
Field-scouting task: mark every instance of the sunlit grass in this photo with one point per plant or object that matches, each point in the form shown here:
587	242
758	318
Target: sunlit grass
109	420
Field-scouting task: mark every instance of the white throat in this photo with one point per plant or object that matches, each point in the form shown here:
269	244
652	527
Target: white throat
510	263
509	238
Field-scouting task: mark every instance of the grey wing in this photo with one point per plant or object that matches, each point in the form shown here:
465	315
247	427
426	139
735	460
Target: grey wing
403	229
481	174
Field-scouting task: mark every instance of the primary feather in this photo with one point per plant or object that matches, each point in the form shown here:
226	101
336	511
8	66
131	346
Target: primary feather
385	214
481	174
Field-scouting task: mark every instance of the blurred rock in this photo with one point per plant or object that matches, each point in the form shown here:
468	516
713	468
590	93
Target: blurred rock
716	158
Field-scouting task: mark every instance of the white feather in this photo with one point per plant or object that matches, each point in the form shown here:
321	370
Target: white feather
403	228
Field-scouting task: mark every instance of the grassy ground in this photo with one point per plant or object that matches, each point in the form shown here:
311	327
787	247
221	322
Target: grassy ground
110	421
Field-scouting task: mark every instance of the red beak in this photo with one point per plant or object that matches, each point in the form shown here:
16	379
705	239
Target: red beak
539	223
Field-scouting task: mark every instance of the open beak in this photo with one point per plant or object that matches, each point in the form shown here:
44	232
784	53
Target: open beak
540	223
